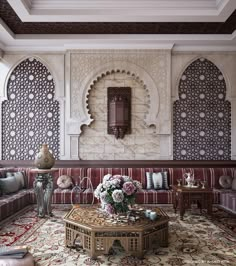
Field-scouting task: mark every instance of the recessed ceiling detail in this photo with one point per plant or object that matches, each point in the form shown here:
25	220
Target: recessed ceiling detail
12	20
56	25
123	10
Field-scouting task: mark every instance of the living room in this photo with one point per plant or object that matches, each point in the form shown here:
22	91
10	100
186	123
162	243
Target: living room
142	92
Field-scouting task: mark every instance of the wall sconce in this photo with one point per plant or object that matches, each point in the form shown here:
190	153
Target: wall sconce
119	111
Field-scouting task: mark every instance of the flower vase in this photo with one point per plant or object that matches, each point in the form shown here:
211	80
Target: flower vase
44	159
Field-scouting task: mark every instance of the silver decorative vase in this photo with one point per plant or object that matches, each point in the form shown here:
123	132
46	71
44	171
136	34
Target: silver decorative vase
44	159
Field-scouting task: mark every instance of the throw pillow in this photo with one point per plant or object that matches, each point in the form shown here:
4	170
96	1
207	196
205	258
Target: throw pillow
165	180
64	181
9	184
19	178
234	184
157	179
225	181
149	180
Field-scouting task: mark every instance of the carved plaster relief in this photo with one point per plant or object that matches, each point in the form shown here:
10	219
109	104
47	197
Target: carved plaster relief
152	68
95	143
94	71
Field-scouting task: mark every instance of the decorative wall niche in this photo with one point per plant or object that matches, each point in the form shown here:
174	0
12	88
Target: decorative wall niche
202	116
30	116
119	111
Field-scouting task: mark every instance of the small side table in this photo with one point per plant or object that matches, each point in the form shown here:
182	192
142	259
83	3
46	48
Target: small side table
183	197
43	188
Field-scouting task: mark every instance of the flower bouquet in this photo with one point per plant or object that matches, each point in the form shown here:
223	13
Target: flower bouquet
117	193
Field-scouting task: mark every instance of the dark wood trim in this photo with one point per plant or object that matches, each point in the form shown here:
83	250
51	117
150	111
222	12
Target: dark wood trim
125	163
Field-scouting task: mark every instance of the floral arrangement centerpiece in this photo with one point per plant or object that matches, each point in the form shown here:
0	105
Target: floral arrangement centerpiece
117	193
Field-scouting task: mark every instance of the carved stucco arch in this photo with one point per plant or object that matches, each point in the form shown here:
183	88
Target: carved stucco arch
139	74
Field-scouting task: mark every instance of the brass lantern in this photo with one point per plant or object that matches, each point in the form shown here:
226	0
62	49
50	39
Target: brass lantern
119	111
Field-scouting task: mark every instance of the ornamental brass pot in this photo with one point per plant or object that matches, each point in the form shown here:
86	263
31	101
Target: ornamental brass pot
44	159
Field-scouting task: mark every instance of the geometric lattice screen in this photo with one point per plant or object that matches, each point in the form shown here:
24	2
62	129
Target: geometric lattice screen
202	116
30	116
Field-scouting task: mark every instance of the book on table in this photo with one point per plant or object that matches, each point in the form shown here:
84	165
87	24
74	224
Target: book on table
13	251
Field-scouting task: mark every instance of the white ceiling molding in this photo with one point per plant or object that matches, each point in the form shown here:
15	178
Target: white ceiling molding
123	10
60	42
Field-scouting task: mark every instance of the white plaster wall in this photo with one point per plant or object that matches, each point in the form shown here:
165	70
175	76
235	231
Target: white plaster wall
226	62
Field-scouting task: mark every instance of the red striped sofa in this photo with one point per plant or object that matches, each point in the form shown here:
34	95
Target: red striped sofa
16	201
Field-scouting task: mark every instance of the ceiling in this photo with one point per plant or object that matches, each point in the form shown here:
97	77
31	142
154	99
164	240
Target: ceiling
58	25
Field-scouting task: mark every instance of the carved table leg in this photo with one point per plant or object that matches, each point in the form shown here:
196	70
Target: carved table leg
48	194
38	189
181	205
175	200
209	205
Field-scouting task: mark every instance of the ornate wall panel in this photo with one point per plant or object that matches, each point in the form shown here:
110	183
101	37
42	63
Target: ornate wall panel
96	143
30	116
140	63
202	115
148	74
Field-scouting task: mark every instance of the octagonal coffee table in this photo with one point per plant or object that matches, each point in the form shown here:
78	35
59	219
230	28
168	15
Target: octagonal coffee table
96	232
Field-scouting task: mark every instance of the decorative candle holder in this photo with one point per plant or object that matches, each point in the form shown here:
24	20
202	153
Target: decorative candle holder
179	182
203	184
147	213
153	215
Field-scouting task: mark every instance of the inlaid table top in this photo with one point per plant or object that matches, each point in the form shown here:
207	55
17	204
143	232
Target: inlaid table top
91	217
192	189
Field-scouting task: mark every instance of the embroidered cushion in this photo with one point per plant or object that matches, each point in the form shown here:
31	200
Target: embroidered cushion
157	179
225	181
64	181
165	180
149	180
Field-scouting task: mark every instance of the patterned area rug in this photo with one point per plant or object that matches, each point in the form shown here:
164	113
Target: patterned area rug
194	241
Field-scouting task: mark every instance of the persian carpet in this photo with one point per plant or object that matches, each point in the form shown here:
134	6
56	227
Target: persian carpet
194	241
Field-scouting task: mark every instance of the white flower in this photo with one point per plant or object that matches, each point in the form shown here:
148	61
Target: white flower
106	178
118	195
97	191
107	185
115	182
127	178
103	196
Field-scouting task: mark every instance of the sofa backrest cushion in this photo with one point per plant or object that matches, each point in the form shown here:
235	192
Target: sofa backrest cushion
64	181
9	184
216	173
20	178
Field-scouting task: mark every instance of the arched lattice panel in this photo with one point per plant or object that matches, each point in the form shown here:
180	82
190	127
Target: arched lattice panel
30	116
202	116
